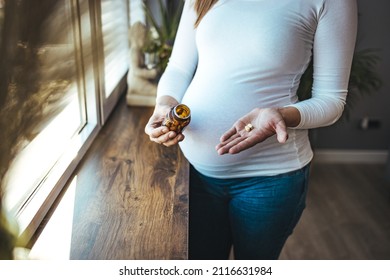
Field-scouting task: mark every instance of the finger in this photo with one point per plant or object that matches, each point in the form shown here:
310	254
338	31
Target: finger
227	146
224	143
157	132
232	131
281	132
174	141
244	142
154	123
243	145
164	138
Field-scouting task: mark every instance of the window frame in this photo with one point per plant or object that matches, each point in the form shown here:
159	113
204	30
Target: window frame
98	107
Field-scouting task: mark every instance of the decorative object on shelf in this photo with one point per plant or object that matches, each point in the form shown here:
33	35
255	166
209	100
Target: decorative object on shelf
142	84
150	48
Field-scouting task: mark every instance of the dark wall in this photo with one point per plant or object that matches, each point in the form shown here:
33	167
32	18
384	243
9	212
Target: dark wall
373	32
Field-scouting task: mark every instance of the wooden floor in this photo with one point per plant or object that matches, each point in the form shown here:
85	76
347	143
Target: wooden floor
347	214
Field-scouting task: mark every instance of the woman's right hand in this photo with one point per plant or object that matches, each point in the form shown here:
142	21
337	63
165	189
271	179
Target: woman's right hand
158	133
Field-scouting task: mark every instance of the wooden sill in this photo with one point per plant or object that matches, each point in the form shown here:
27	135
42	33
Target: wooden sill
128	199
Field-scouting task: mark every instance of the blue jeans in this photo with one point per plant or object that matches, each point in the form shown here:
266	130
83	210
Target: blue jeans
254	215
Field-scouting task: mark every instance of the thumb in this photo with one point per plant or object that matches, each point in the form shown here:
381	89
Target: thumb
281	132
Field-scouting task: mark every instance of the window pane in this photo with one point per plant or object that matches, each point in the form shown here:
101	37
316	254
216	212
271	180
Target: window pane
115	40
43	108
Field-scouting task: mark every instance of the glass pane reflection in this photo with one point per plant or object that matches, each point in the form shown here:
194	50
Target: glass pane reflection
40	103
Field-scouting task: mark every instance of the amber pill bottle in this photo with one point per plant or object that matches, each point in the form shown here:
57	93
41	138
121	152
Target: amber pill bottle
178	118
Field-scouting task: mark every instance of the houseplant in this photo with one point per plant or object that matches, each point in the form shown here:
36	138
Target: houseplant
162	35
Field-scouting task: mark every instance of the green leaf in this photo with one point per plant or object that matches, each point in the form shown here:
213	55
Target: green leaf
170	18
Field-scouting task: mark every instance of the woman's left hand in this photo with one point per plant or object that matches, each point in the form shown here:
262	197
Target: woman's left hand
265	123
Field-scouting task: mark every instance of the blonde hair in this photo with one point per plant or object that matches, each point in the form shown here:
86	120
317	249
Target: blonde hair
202	7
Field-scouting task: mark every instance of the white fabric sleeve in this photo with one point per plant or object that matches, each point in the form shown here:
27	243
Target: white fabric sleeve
184	58
333	50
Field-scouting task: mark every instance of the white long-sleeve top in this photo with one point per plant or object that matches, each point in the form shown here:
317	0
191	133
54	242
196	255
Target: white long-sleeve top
248	54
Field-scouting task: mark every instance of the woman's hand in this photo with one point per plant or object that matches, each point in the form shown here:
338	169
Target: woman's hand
161	134
265	123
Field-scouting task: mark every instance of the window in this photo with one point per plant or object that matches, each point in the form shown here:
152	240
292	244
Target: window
63	66
115	42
